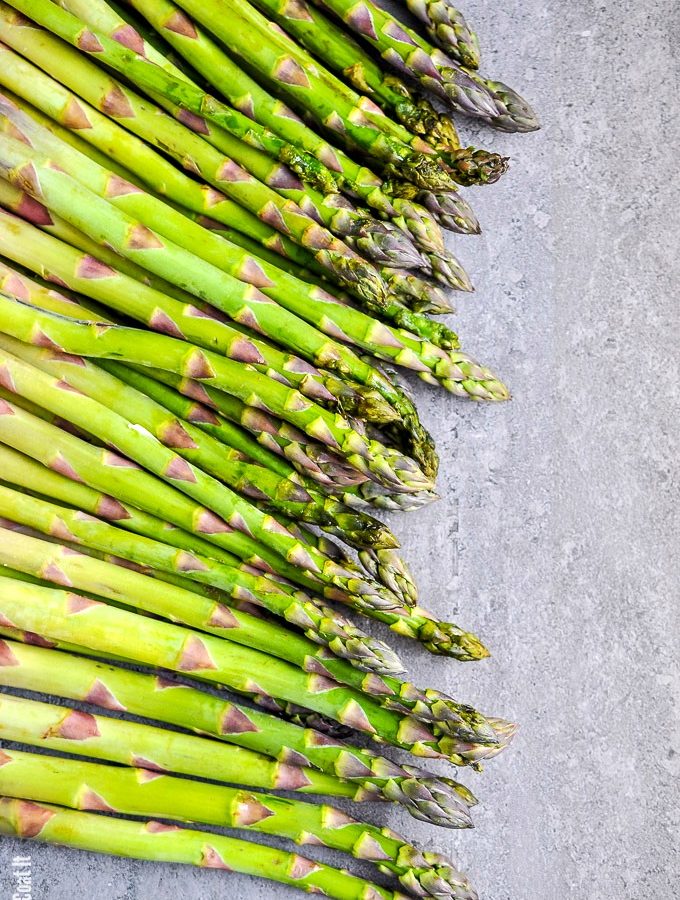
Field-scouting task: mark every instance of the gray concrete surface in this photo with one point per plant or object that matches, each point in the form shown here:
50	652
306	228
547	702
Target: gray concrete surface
558	536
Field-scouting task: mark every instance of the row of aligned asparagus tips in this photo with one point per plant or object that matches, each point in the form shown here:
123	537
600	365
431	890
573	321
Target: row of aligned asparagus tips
220	221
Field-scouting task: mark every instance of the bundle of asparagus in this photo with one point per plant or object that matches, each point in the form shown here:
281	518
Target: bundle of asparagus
219	222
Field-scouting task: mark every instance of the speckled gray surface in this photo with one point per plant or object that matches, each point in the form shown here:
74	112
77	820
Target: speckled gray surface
558	534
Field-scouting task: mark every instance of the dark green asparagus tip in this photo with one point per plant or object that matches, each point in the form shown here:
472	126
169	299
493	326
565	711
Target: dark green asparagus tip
365	532
423	170
470	166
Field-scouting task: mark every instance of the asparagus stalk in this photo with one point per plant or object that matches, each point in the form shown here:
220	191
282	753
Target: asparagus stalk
328	91
340	109
183	95
444	714
119	342
317	307
242	587
66	400
308	458
364	233
106	471
92	272
193	152
252	531
410	54
92	785
30	663
67	730
206	611
330	43
24	36
243	304
449	209
169	843
215	63
148	126
199	447
446	26
172	550
65	616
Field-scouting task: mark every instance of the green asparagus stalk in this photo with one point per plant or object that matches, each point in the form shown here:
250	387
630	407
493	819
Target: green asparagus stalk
51	56
444	714
397	155
79	784
33	665
24	36
449	209
155	350
243	304
412	55
183	601
100	627
172	550
337	107
317	307
169	843
42	560
108	472
308	458
243	92
68	730
262	533
140	159
183	94
328	42
195	153
446	26
129	398
71	68
92	272
366	234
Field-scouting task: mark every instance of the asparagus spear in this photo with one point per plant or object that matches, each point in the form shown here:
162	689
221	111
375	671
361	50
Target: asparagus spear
63	615
186	602
224	173
168	843
445	715
91	272
182	93
419	440
199	447
245	588
119	342
30	663
446	26
149	126
393	152
106	471
92	785
68	730
412	55
317	307
253	531
213	61
172	550
364	233
330	43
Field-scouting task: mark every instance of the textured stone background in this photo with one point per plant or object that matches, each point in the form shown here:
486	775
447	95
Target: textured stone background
557	537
